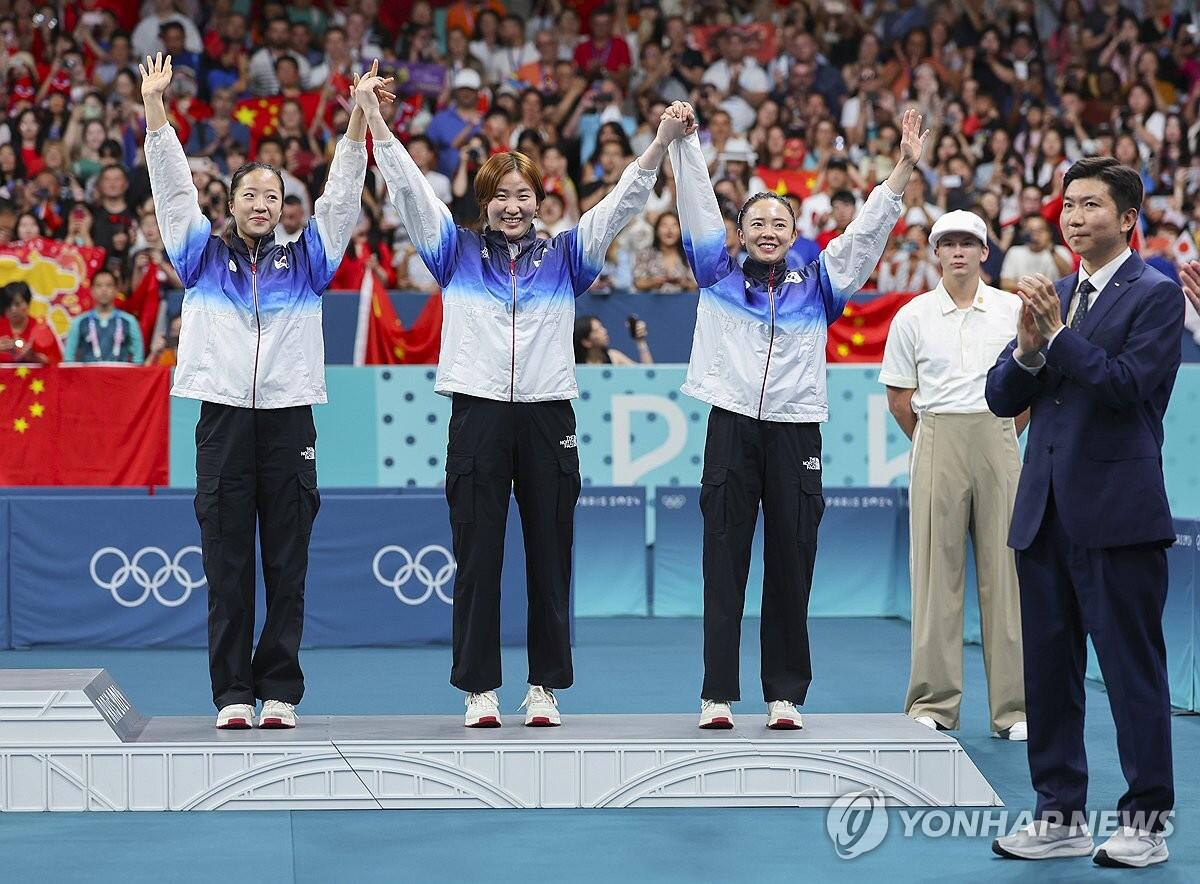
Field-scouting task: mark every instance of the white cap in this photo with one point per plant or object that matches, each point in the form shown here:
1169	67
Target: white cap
958	221
739	149
467	79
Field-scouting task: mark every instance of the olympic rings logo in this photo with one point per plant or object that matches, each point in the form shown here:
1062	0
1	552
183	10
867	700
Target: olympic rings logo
674	501
414	567
131	569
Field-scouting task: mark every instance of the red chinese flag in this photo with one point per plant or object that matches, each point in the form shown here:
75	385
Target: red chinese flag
862	330
381	338
784	181
143	303
59	275
84	425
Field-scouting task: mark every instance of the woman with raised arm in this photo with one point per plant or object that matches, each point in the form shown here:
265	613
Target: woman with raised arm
758	357
250	348
506	359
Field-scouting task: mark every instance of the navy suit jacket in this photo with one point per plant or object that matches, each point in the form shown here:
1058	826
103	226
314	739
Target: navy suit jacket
1096	427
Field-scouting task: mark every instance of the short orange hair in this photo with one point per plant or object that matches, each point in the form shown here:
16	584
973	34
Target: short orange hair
487	180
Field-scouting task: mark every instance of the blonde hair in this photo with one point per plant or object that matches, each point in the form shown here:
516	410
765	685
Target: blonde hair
487	180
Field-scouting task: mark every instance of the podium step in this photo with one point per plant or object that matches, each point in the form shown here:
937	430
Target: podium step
50	761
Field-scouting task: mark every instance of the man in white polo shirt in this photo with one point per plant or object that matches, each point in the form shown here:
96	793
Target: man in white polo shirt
963	479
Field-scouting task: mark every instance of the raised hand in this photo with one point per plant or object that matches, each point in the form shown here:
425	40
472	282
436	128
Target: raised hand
912	140
156	76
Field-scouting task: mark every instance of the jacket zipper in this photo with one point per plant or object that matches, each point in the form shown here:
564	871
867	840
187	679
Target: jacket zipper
257	324
512	387
771	345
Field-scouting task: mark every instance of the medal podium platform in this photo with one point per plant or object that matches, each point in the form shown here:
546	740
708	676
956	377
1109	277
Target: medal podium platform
70	740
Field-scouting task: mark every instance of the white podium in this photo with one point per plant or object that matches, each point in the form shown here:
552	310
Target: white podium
71	740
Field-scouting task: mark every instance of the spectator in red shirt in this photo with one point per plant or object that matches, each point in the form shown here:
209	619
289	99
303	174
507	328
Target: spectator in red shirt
30	137
367	252
843	203
604	52
23	338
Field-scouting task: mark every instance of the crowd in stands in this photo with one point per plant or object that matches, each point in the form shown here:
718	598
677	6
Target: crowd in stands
800	97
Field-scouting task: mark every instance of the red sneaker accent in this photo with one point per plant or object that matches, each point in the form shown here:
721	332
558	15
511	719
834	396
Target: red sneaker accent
274	724
784	724
540	721
486	721
718	724
234	724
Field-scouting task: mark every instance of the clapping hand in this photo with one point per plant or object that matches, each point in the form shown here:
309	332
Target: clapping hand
1189	275
1041	299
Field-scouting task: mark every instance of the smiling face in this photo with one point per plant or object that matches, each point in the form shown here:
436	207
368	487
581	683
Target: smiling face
767	230
511	208
257	202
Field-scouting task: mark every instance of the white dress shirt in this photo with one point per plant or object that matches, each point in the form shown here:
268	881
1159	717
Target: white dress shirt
945	351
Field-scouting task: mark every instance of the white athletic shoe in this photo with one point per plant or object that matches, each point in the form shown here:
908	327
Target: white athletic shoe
715	715
782	716
236	717
277	715
1135	848
926	720
483	710
1018	733
541	709
1043	840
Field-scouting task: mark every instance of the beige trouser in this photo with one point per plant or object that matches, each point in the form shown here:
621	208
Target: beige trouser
964	473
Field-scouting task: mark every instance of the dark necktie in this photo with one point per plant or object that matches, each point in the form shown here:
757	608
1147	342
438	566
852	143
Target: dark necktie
1081	308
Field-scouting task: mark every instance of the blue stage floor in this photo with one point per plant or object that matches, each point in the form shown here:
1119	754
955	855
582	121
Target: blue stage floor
621	666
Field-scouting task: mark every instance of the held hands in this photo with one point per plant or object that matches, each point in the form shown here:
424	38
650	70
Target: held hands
677	121
156	77
370	90
1042	303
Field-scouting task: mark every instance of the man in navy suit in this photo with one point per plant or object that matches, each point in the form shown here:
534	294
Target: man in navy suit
1095	359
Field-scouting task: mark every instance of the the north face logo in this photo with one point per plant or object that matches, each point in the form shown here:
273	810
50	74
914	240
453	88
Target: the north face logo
309	453
569	442
281	262
813	463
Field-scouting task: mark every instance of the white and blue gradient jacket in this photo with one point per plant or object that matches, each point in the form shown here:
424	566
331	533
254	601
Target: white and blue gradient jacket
251	332
759	346
508	309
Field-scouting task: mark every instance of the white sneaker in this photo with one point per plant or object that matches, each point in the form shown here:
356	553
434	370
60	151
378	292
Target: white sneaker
541	709
1018	733
715	715
236	717
1043	840
1135	848
277	715
927	720
782	716
483	710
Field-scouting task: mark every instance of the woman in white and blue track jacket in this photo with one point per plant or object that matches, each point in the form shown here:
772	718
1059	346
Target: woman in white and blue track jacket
507	360
250	348
758	358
